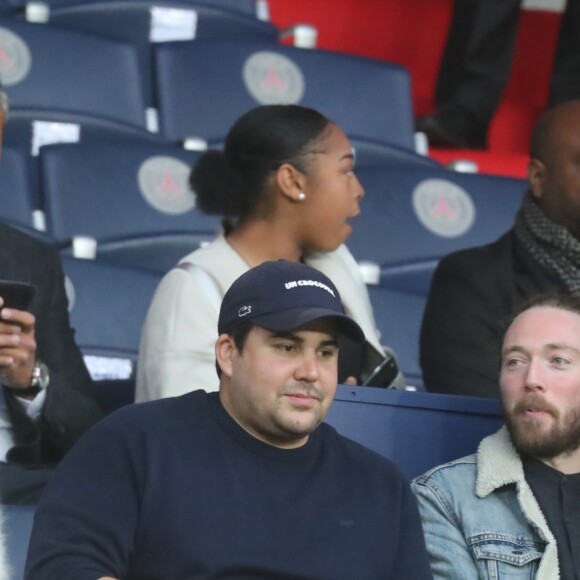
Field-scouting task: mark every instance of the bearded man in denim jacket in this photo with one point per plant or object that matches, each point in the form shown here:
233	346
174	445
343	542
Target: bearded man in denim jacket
513	509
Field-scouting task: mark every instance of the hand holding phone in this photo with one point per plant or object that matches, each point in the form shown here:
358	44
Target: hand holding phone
17	295
17	334
384	373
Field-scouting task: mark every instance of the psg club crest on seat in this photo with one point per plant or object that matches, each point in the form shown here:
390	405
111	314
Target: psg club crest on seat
273	79
163	182
15	59
443	207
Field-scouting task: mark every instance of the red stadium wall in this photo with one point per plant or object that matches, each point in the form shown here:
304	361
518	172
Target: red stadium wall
413	33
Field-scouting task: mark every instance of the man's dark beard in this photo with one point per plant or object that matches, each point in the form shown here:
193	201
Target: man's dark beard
562	437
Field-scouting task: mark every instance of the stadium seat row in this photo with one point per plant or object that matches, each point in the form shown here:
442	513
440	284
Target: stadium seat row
129	204
199	87
134	199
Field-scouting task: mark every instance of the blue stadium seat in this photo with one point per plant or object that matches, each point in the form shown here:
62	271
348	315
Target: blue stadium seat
17	526
145	22
108	305
205	85
133	199
19	194
33	129
411	217
398	316
417	431
46	69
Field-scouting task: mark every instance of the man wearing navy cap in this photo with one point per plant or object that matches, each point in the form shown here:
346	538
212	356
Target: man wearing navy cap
244	483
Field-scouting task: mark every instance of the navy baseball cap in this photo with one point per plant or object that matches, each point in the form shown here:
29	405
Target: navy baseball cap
282	296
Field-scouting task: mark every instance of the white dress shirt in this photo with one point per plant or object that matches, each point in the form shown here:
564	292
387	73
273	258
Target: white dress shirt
33	409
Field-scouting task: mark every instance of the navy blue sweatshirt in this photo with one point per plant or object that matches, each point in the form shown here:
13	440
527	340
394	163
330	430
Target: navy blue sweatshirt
175	490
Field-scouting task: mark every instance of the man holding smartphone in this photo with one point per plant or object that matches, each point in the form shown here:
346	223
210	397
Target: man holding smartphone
47	400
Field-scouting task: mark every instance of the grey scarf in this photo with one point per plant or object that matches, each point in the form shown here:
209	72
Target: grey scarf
550	244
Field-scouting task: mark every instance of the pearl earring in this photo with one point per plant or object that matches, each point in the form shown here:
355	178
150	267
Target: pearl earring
301	196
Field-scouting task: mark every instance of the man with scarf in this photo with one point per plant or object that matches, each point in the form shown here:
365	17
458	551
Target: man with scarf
474	291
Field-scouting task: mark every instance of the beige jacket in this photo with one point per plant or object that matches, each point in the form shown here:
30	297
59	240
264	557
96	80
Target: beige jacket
177	343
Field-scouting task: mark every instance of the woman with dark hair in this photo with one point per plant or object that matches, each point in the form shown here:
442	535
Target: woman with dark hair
286	188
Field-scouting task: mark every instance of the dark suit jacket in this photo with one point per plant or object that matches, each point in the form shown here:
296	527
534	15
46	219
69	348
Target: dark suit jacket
70	406
473	295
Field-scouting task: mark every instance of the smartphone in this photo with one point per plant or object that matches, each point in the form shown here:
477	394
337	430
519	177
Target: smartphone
384	374
17	295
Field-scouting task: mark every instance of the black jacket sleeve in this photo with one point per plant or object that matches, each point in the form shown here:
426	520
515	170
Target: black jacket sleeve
474	294
462	325
71	406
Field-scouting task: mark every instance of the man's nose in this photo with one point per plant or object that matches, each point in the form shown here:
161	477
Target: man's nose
307	369
534	379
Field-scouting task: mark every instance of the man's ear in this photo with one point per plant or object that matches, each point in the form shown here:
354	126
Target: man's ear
290	180
536	177
225	353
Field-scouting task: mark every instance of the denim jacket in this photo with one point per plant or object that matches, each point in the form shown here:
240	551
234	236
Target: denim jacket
481	519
